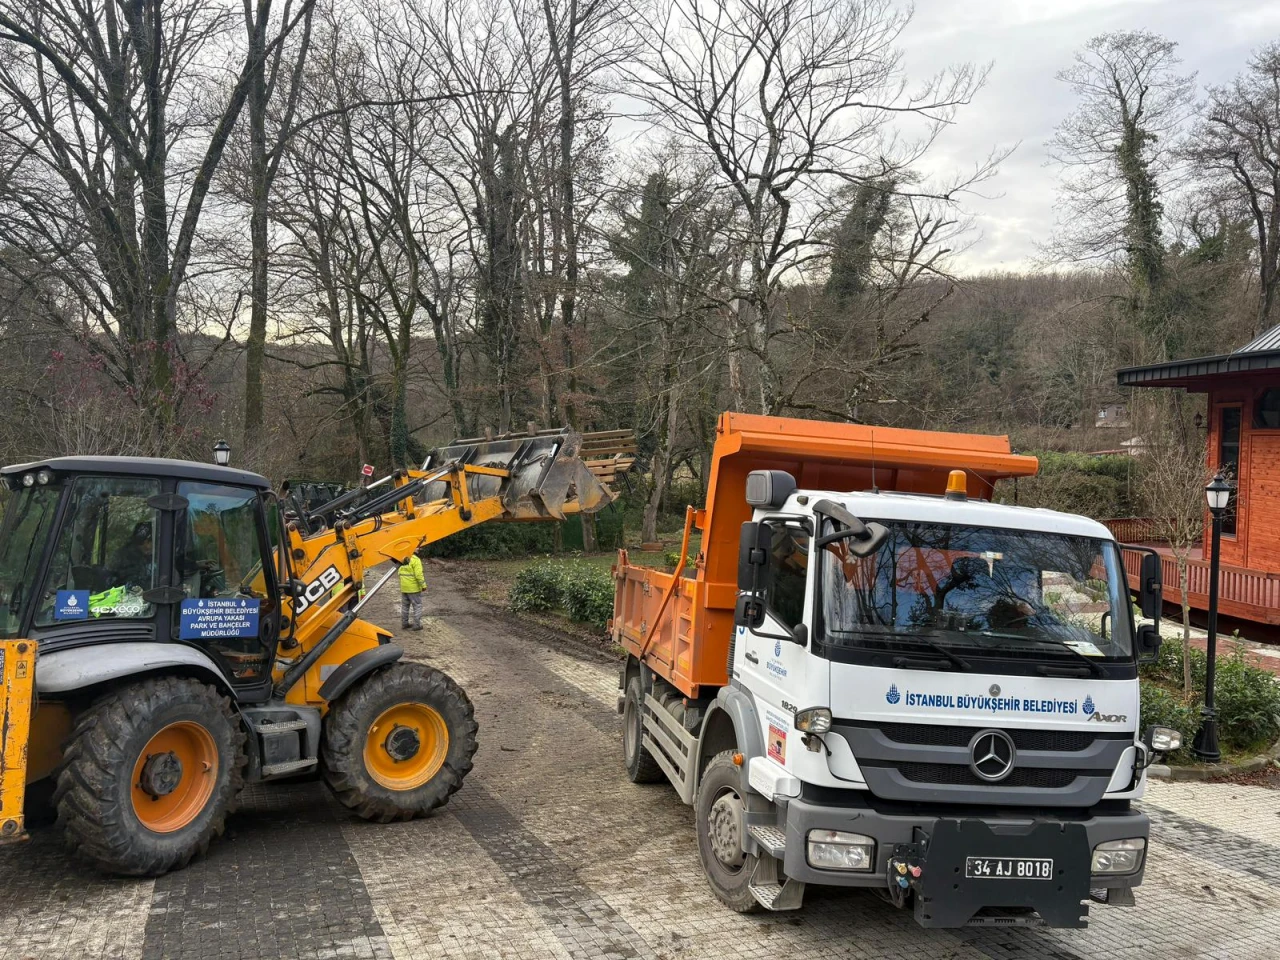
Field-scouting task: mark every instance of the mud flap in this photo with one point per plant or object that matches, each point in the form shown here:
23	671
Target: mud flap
949	895
17	680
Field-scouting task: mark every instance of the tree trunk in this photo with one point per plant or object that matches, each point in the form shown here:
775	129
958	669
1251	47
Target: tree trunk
1184	586
255	348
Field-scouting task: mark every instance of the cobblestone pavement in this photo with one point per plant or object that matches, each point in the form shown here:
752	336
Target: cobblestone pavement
549	852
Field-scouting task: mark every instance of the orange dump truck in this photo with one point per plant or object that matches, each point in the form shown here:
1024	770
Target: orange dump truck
871	675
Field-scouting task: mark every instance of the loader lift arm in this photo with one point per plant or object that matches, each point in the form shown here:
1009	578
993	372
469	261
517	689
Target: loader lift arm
529	479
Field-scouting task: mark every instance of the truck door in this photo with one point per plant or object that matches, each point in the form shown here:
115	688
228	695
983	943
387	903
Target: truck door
224	566
772	664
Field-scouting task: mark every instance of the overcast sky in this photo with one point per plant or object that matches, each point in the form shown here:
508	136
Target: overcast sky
1028	42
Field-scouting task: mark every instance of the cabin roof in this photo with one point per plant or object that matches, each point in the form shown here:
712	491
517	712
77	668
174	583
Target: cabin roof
1260	354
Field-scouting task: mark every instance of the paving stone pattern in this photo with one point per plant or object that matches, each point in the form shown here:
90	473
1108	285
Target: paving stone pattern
549	852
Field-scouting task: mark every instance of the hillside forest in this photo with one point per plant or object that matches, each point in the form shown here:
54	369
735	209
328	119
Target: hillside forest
334	233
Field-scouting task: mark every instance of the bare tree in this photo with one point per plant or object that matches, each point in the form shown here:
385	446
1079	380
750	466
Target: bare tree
1237	143
106	122
790	99
1114	151
673	240
1172	486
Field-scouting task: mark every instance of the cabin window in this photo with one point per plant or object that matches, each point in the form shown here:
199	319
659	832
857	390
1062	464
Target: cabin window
1229	463
1266	412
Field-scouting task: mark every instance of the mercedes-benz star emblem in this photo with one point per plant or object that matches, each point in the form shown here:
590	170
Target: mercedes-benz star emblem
995	690
992	755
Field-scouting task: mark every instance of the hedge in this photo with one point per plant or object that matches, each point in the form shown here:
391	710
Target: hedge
582	592
1247	698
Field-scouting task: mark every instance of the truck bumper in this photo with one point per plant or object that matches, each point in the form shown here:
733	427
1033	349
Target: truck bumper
951	839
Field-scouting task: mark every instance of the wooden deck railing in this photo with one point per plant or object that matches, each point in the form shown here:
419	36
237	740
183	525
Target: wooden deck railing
1135	529
1248	594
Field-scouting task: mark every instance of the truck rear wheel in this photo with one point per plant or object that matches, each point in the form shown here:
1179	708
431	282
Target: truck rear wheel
149	775
641	767
721	821
398	743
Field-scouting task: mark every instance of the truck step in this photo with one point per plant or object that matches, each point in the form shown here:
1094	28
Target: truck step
772	840
280	726
788	895
292	766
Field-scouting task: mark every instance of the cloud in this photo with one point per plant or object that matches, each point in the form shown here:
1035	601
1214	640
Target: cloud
1027	43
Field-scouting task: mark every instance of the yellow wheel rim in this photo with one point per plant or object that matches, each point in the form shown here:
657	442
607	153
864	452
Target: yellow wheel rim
174	776
406	746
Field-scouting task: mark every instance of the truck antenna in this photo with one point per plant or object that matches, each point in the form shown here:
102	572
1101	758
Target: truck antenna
874	488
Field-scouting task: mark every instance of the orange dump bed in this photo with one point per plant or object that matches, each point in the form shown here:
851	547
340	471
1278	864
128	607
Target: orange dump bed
680	625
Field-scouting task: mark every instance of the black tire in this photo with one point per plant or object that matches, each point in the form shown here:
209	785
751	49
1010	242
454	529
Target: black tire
641	767
95	797
348	726
731	885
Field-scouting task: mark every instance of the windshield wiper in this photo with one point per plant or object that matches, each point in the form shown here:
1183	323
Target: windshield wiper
1094	666
950	659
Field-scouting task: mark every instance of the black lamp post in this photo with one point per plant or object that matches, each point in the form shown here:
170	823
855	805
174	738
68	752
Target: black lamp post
222	453
1205	745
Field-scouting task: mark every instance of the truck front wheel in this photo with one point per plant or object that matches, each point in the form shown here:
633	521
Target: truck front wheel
641	767
721	821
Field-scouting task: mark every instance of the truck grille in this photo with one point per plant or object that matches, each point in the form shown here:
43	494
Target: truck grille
1044	778
936	735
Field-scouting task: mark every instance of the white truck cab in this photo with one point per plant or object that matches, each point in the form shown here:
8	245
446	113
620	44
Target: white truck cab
911	658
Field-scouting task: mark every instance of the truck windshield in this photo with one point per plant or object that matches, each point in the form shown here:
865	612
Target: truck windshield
27	522
979	589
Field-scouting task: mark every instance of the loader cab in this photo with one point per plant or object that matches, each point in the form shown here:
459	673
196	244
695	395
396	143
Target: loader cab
106	549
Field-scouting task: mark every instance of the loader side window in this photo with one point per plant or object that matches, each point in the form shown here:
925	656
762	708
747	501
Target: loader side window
218	555
105	556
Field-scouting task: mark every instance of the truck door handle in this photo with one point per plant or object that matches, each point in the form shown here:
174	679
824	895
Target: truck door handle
752	657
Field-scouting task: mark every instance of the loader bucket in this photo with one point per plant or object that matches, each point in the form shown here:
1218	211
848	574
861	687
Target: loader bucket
548	478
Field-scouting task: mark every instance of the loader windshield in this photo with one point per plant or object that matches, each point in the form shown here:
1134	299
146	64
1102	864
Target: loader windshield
27	522
979	591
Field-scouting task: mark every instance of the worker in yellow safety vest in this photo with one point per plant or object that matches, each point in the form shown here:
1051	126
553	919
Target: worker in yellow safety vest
412	583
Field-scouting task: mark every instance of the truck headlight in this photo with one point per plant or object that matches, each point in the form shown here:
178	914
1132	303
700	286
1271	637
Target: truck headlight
837	850
1118	856
1163	739
813	720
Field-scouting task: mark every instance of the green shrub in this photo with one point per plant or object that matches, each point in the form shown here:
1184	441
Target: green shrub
537	589
1166	709
588	595
1247	698
583	592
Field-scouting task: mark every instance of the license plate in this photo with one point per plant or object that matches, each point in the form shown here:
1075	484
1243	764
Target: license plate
1007	868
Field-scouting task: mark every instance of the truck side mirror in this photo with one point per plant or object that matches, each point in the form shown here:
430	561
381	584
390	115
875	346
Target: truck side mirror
1148	642
748	611
754	545
1151	587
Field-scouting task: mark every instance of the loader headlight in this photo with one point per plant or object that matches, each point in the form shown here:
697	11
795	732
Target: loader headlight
837	850
28	479
813	720
44	477
1119	856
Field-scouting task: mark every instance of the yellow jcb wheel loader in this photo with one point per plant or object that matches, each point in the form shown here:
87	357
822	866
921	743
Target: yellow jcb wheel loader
167	635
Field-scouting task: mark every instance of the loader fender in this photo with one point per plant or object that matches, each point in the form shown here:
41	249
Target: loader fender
731	724
64	671
347	673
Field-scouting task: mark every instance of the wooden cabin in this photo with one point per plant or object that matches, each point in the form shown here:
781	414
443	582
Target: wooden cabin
1243	440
